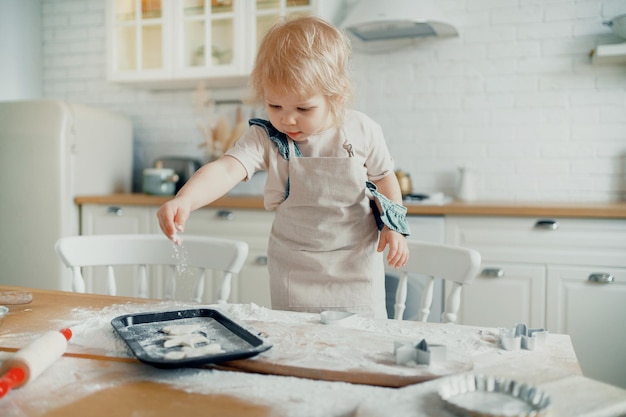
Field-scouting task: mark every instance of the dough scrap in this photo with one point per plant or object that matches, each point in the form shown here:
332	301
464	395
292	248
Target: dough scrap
187	336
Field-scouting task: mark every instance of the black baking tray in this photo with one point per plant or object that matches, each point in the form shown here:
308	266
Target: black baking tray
143	334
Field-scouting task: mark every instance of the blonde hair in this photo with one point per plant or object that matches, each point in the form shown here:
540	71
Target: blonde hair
304	56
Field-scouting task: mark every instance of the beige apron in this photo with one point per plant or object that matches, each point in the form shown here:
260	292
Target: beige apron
322	249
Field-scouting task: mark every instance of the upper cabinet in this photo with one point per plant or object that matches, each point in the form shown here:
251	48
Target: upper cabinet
138	40
177	43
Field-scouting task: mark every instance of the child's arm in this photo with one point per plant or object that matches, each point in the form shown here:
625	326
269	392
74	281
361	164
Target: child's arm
398	248
389	187
209	183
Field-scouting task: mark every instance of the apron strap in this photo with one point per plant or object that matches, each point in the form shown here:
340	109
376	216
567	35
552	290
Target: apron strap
276	136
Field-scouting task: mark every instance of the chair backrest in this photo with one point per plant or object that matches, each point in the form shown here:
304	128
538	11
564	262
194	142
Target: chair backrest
454	264
196	252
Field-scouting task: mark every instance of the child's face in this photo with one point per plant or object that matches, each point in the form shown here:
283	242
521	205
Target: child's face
298	118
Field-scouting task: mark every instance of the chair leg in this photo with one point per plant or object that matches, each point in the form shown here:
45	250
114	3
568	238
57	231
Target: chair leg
170	283
427	300
111	284
143	282
453	303
78	282
401	293
199	289
225	289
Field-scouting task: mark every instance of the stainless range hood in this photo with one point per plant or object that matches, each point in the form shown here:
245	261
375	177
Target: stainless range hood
376	25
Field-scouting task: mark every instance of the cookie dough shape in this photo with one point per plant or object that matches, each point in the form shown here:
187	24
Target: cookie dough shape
188	337
189	340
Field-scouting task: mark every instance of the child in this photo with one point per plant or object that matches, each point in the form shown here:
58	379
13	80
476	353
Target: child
330	177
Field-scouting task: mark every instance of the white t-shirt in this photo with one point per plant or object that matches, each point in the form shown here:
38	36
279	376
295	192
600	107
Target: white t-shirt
257	152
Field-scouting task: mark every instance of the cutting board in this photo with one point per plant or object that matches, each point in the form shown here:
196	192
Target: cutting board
333	353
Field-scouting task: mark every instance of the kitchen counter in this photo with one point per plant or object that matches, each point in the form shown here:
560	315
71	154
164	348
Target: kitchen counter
616	210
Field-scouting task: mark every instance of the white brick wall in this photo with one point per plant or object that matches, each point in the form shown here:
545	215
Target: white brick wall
514	96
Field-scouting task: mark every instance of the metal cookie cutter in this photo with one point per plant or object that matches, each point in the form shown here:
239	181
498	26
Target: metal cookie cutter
521	337
421	353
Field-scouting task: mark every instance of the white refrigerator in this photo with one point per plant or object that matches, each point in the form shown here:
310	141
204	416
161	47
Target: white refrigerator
50	152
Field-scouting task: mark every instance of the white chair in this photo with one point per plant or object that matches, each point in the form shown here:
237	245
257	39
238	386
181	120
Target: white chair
454	264
196	253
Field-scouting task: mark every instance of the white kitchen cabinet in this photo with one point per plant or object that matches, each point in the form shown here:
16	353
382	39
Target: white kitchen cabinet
102	219
590	308
539	270
178	43
504	294
251	226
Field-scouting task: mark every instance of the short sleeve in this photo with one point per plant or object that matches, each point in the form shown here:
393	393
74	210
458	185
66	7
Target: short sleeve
378	160
251	150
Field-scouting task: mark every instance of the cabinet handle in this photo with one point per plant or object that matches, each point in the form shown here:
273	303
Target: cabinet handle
261	260
117	211
601	278
225	215
492	273
547	224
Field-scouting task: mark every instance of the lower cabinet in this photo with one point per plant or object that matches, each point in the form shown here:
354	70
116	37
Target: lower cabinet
101	219
566	275
251	285
504	294
589	304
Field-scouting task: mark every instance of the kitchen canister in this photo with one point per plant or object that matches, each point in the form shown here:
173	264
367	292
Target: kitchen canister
466	189
159	181
404	180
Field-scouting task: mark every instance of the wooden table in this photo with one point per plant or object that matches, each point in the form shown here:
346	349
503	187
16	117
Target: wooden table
99	377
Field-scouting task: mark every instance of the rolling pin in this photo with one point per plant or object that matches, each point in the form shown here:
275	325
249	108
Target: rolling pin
29	362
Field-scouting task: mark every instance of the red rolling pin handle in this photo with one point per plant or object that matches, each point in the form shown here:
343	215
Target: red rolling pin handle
13	377
67	333
20	373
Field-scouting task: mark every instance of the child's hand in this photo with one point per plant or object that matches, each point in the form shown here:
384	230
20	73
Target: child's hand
398	247
172	217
